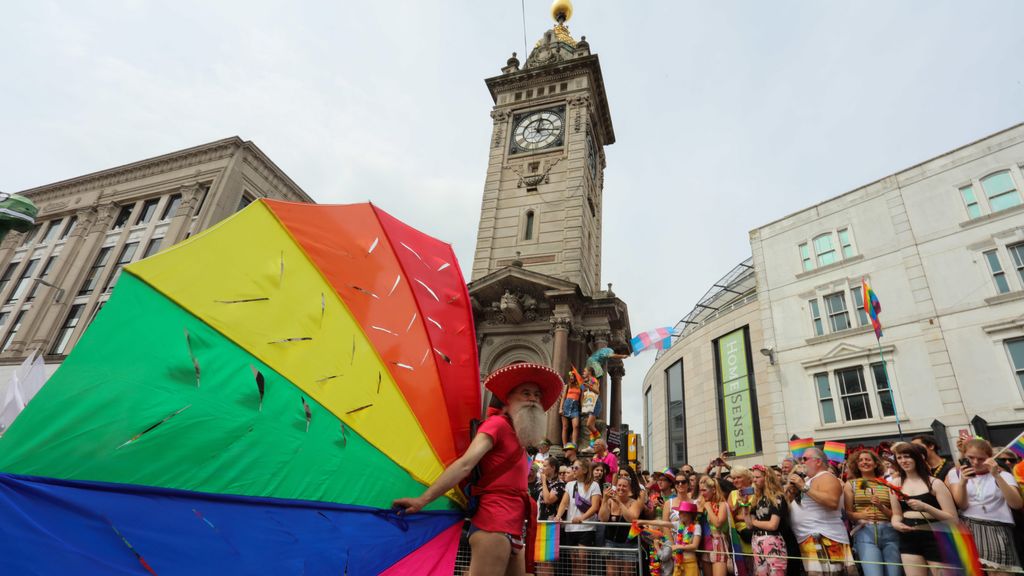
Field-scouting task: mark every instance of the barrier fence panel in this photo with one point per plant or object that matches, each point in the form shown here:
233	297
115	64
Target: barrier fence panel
577	560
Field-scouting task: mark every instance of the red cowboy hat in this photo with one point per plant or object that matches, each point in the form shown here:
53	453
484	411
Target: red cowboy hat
504	380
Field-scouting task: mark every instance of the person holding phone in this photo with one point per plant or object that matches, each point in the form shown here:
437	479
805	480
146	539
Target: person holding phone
922	500
986	496
868	507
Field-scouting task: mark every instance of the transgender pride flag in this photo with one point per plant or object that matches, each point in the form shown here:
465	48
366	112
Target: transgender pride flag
660	338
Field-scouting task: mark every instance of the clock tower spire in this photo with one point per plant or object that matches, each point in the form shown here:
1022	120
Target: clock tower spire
543	193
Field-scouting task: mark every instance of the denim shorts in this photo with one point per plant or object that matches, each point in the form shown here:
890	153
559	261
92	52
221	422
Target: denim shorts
571	408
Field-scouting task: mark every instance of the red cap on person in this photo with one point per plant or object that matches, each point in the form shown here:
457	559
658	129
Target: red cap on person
503	380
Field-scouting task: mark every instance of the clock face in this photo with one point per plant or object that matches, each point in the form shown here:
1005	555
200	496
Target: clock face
538	130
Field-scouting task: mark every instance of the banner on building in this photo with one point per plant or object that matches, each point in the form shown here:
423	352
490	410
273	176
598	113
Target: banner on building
739	425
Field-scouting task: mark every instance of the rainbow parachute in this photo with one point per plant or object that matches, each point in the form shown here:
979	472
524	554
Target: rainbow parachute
251	401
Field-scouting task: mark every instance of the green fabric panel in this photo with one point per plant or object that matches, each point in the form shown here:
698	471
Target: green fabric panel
133	369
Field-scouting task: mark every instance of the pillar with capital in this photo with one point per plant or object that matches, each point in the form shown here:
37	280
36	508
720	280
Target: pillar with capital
615	373
560	326
601	341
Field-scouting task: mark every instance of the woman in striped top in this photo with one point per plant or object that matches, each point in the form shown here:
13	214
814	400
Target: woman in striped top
867	507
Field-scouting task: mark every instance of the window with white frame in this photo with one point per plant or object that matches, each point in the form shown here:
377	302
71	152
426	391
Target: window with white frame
835	307
69	227
825	401
819	328
24	280
1017	254
1016	350
886	405
826	248
970	201
805	257
127	253
1000	191
8	274
996	268
858	398
857	296
845	244
992	193
853	393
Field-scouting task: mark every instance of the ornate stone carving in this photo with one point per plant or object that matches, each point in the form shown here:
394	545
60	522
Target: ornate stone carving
500	115
532	180
560	323
513	309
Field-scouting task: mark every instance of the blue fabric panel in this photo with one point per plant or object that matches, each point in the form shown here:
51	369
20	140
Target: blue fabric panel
50	526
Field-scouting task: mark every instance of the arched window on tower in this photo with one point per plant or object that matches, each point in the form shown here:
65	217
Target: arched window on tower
528	228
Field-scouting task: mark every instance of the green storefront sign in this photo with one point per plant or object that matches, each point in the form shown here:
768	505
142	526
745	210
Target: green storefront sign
736	399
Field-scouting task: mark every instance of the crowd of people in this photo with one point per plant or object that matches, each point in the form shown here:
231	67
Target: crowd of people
875	515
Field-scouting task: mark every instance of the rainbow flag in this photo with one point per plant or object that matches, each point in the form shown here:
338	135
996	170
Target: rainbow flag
634	530
1017	446
798	446
659	338
872	307
835	452
957	548
545	544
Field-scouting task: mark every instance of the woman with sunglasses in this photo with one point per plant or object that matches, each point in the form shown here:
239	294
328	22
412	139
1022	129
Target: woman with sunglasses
986	496
921	501
582	501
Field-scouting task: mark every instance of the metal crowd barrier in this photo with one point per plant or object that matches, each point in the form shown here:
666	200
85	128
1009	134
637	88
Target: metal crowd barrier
579	560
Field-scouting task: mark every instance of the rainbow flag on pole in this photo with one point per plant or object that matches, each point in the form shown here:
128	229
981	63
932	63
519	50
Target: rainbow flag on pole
835	452
872	307
545	547
660	338
798	446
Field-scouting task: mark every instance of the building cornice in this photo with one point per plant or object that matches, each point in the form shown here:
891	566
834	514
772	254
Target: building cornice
162	164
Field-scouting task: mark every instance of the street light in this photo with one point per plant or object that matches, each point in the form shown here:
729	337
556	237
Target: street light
60	291
770	353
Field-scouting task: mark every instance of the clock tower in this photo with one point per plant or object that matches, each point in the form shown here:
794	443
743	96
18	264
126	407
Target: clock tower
536	283
543	194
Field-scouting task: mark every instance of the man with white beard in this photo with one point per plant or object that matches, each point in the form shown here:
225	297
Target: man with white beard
515	422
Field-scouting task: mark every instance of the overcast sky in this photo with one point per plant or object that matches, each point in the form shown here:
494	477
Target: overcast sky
728	114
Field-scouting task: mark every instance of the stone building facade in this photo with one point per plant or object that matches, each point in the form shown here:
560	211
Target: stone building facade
536	276
56	278
942	244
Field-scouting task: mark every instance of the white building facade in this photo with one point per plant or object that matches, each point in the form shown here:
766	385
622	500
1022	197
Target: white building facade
942	245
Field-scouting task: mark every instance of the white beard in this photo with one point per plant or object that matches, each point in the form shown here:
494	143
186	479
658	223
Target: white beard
530	423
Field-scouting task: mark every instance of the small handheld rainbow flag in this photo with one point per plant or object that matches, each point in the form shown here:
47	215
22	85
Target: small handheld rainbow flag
872	307
798	446
545	548
835	452
1017	446
957	548
634	530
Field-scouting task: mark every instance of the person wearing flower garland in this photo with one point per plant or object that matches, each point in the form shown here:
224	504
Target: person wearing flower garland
867	502
685	535
715	510
986	496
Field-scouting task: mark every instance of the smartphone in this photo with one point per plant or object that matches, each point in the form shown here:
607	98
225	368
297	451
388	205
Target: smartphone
729	454
965	463
748	491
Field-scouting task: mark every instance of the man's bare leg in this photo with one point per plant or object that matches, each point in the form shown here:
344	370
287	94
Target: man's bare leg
489	554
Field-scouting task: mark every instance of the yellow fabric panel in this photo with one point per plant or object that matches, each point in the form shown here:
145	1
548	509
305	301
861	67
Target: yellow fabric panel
248	279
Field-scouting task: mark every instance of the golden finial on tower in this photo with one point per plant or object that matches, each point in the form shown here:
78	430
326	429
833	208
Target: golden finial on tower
561	10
